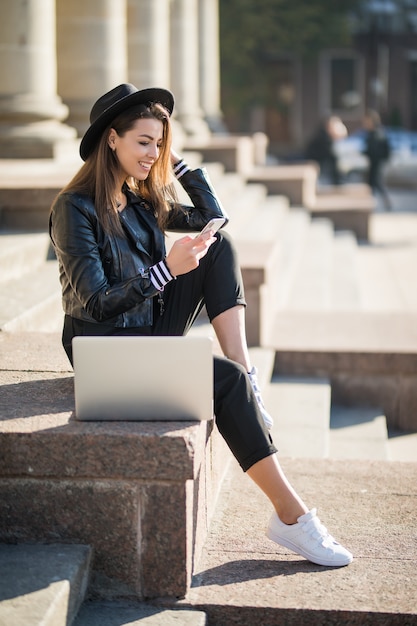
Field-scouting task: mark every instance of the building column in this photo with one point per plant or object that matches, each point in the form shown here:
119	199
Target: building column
92	53
210	64
31	112
185	68
148	43
148	34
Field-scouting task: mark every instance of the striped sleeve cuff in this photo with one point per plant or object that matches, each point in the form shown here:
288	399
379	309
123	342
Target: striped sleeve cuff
160	275
181	168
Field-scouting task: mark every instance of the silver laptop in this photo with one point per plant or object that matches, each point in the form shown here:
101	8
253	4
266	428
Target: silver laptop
143	378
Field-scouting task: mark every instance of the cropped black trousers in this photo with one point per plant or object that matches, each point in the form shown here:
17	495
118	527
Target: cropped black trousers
217	284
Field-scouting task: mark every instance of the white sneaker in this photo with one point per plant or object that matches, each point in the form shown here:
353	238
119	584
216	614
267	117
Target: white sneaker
309	538
253	377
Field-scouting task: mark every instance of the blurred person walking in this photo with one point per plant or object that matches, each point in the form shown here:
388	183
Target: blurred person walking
378	151
321	148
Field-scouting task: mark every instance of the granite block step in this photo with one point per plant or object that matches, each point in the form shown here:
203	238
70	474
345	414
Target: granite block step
325	274
130	614
346	211
292	239
378	284
22	253
311	284
345	292
296	181
369	506
146	518
402	446
300	408
269	221
358	433
42	584
371	358
244	209
33	301
387	276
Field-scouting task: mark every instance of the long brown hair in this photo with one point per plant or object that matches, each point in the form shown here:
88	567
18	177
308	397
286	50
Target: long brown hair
98	177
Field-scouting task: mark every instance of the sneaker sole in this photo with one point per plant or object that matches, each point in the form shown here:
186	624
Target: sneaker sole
310	557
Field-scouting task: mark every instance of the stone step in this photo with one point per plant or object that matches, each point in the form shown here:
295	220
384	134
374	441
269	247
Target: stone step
402	446
358	433
370	357
345	292
379	287
146	520
324	275
42	584
296	181
21	253
119	613
403	262
244	209
386	278
33	301
300	408
243	578
292	238
310	287
268	222
307	425
226	184
347	211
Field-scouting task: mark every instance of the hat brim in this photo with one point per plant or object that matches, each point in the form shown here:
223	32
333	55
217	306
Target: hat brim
143	96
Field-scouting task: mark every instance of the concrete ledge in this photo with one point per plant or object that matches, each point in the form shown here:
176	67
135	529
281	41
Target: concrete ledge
28	187
297	182
258	260
28	208
42	584
237	153
370	507
129	614
370	358
346	211
141	494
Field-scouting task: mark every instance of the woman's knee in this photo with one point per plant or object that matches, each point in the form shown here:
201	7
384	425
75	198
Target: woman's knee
231	384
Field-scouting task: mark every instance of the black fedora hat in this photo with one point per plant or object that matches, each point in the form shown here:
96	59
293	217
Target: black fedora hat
114	102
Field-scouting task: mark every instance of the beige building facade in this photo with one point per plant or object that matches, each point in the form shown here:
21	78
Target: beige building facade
58	56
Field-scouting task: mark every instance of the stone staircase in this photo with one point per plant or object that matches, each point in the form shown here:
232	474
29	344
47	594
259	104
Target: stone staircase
347	311
311	274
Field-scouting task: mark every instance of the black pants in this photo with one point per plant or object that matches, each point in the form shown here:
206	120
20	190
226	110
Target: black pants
217	284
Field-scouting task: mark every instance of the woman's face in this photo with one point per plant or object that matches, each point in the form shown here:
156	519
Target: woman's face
139	147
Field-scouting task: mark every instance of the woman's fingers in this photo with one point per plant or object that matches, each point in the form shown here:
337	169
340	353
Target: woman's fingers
186	253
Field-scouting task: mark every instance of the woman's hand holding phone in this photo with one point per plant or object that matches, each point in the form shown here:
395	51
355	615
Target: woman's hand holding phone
186	252
212	226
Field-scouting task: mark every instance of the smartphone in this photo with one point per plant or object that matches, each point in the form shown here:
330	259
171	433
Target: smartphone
213	225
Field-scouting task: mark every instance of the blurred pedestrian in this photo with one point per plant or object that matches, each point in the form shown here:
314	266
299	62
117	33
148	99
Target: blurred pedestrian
321	148
378	151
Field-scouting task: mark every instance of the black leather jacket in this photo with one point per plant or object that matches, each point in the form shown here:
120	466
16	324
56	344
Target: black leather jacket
104	277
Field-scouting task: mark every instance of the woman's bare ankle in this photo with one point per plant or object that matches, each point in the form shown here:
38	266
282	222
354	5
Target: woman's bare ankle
290	514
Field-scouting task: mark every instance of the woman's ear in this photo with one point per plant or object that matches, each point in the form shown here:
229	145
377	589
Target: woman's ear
112	139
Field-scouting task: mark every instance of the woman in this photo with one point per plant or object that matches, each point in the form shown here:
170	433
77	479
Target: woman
107	227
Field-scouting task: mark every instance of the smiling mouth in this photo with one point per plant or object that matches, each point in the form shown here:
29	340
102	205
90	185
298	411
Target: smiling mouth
146	166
